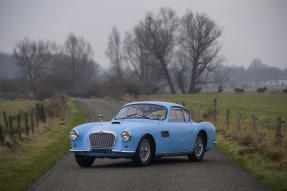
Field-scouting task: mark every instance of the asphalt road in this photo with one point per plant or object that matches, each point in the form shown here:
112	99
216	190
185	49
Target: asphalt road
215	172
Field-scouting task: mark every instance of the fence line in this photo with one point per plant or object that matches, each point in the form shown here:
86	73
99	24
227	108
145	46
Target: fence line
13	126
211	114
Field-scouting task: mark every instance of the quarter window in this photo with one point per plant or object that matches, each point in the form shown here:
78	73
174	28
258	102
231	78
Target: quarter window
186	116
172	115
176	114
179	115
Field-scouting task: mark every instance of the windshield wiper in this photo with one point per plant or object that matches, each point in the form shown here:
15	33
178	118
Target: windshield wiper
137	114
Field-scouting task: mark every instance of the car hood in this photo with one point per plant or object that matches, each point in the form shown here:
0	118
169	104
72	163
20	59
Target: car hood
116	126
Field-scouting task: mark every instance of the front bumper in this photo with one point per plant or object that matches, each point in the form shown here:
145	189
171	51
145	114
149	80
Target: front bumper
111	154
90	150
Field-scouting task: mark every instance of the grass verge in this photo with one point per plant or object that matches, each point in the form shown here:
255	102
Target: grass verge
255	164
20	167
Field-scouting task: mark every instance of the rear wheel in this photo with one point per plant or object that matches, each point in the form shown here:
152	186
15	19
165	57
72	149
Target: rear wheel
144	152
84	161
199	149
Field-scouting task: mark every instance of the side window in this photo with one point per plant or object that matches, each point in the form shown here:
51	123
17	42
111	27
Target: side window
186	116
172	115
179	115
176	114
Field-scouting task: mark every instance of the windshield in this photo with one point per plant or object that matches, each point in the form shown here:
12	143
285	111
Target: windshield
144	111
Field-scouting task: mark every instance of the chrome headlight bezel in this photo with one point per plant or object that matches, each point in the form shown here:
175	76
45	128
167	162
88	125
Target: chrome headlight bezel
73	135
126	136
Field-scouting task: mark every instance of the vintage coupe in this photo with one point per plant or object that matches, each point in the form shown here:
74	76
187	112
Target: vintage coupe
141	131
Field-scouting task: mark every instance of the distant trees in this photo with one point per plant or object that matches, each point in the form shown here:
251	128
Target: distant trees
199	47
34	59
144	65
115	53
78	54
157	35
162	51
162	46
49	68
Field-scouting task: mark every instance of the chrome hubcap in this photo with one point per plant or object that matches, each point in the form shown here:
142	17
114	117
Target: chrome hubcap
144	150
198	148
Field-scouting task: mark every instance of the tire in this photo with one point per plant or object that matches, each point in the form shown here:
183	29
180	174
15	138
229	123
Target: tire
199	149
84	161
144	152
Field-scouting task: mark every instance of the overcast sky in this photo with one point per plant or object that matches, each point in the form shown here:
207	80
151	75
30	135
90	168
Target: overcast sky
252	28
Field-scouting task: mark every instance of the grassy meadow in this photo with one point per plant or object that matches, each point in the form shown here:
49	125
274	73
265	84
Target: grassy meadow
266	107
13	107
254	150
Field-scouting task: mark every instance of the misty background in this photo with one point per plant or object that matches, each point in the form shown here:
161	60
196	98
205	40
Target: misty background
114	50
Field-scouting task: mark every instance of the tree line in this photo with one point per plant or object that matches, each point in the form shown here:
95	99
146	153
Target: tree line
162	52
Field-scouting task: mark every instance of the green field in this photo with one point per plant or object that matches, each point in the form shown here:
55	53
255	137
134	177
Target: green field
267	107
13	107
263	160
29	160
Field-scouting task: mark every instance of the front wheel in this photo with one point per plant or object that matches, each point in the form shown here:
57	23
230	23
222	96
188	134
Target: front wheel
144	152
84	161
199	149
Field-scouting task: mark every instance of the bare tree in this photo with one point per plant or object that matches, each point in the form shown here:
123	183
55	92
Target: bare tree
198	42
79	55
34	59
180	70
157	35
114	53
143	64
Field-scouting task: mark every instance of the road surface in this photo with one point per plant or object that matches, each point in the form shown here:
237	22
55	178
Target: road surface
215	172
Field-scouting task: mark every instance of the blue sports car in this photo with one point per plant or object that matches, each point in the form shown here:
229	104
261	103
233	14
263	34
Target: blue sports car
142	131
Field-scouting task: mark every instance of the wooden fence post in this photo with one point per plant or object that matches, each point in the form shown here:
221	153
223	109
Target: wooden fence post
198	109
26	124
5	119
214	109
254	121
19	126
183	104
43	111
37	119
238	120
279	123
227	118
10	126
2	136
32	122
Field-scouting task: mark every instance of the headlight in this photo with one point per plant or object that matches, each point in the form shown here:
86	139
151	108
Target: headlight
126	136
73	135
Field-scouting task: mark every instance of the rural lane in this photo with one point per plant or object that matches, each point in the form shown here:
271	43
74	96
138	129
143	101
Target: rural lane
215	172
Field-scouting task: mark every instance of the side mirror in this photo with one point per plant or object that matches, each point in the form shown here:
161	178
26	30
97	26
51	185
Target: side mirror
101	117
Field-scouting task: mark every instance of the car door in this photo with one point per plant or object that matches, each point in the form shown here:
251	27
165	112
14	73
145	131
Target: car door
181	129
164	138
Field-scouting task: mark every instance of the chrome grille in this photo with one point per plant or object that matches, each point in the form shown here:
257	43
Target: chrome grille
102	140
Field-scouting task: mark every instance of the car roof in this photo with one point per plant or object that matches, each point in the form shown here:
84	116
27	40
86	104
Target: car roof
161	103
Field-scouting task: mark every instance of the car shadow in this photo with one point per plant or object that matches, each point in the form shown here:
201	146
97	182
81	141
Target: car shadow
129	163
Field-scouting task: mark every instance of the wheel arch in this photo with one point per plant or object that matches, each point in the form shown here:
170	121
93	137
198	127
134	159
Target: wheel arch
152	141
204	134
